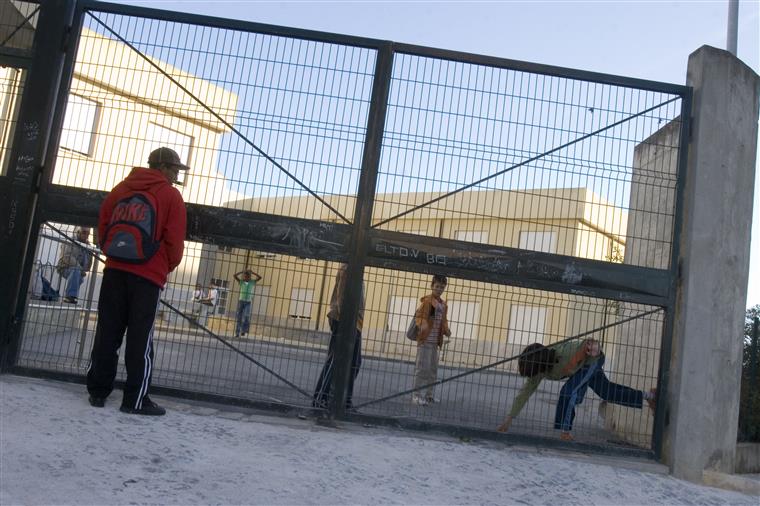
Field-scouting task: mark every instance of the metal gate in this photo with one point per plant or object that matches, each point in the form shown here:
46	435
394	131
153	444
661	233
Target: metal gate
550	197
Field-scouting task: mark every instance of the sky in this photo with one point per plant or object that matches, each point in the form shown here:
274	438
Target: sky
642	39
71	453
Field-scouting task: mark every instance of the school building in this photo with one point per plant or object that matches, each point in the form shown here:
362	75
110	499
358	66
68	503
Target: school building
487	321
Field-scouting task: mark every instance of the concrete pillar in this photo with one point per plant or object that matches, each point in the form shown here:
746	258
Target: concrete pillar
633	355
703	400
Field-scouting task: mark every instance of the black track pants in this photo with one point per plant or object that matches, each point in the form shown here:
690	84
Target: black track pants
127	303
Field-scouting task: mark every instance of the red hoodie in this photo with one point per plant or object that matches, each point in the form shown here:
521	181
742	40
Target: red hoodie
171	223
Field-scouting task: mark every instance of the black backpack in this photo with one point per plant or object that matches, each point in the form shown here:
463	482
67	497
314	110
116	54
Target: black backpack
131	234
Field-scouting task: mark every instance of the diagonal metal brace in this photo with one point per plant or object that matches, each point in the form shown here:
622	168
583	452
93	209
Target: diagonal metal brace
524	162
204	328
15	30
221	119
503	361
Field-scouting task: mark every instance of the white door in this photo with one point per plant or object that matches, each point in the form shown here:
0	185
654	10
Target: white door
300	303
464	318
400	312
527	325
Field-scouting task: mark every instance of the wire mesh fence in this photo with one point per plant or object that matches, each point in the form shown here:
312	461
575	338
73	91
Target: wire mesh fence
521	159
18	21
274	125
205	341
273	348
490	324
258	118
11	87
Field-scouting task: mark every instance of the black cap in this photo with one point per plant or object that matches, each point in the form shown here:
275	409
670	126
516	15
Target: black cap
167	156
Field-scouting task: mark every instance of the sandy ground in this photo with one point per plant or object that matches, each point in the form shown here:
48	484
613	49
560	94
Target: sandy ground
56	449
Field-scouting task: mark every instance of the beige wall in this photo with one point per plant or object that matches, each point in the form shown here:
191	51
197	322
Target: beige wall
493	304
130	96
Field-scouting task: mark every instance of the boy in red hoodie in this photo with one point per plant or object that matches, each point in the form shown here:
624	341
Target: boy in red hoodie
141	229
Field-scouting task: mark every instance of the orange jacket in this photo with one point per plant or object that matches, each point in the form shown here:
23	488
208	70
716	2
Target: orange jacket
424	317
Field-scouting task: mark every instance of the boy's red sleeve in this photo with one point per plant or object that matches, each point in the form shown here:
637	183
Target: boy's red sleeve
104	217
174	232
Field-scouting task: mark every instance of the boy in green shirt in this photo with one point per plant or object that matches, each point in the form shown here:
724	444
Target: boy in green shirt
243	313
581	362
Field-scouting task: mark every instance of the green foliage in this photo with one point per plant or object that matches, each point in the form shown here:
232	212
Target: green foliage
749	404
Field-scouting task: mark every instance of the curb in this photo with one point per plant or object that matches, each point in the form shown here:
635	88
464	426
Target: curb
733	482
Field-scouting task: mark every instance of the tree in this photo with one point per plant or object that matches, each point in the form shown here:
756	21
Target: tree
749	403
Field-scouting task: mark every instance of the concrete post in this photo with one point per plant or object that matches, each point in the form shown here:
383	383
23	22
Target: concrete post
703	403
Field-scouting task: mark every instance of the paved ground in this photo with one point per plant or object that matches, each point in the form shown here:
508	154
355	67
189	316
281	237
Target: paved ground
56	449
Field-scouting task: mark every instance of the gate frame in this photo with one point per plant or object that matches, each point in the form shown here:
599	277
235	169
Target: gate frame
37	200
30	155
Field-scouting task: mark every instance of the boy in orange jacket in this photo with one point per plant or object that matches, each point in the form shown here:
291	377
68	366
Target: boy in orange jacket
432	325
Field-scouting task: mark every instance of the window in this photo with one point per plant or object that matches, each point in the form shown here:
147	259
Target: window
300	303
160	136
223	294
79	124
539	241
400	313
527	324
480	236
464	318
10	91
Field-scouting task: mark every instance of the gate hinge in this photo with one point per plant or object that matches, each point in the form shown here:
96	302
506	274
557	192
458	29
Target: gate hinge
66	39
690	126
37	178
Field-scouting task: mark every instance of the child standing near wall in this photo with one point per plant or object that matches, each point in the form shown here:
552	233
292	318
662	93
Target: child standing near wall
432	326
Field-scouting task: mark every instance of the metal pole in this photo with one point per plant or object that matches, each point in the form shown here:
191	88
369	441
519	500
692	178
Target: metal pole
666	347
19	226
733	26
88	308
321	296
753	353
357	252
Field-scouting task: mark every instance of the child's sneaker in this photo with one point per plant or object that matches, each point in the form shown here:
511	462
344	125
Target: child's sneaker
419	401
566	436
652	401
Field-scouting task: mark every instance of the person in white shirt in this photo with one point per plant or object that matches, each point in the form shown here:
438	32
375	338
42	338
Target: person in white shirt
208	304
195	303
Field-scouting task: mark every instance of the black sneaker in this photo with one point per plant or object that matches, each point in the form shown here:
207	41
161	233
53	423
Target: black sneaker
149	408
97	402
319	404
70	300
